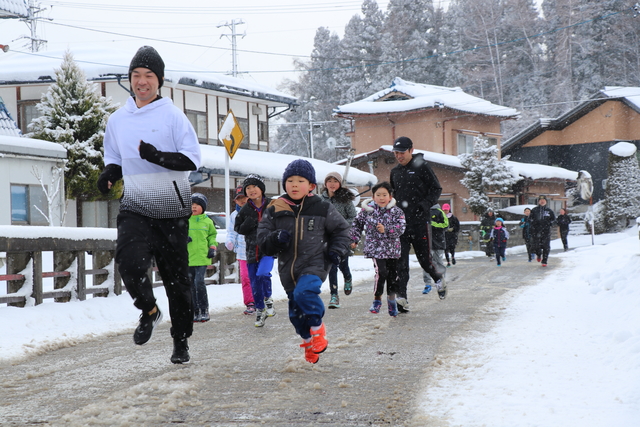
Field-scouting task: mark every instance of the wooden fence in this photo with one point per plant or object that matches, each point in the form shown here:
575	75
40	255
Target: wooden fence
24	269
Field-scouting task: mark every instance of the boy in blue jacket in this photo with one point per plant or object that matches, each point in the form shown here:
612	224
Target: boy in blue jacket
308	235
202	248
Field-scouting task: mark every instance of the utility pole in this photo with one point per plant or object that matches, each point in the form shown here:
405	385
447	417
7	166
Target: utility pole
311	134
33	9
234	47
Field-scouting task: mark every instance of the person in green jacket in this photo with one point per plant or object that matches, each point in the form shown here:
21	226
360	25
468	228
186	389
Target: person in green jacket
202	248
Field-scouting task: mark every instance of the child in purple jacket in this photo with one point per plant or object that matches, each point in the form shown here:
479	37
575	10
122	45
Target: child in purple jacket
383	223
499	236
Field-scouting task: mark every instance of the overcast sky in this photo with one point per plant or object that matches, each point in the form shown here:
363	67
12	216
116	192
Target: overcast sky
187	30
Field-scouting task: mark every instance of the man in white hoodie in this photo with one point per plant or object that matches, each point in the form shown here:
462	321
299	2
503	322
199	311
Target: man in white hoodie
151	144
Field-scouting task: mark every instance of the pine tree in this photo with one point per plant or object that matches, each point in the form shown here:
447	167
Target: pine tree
622	193
318	92
74	115
485	174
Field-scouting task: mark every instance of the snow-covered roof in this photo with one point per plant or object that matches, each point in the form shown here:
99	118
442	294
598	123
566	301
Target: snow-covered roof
520	170
628	95
25	67
418	96
7	125
272	165
631	94
31	147
13	9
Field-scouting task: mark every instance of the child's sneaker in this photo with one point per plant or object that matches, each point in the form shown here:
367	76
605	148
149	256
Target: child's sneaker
504	258
197	317
448	264
347	287
309	355
204	317
427	289
453	261
334	302
319	340
403	305
442	288
251	309
375	307
393	307
261	316
271	311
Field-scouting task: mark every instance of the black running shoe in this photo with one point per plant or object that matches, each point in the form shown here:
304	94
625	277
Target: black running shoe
145	328
441	285
180	351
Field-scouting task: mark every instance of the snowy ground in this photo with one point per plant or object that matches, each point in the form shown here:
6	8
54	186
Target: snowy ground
564	353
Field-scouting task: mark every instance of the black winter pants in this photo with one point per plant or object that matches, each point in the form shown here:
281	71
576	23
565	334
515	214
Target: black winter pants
541	242
420	237
385	272
140	239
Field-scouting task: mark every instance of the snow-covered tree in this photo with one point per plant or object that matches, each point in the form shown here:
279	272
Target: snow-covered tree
317	91
622	193
74	115
485	174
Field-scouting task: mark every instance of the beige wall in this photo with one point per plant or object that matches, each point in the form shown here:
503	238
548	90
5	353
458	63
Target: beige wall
432	130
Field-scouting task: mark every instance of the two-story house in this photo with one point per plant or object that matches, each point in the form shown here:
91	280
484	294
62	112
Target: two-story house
580	138
442	123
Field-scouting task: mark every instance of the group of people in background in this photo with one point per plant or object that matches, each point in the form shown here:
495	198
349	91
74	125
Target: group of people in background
536	230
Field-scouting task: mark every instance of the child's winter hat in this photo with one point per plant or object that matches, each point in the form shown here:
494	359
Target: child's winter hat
300	168
499	219
239	192
446	206
148	57
200	199
253	179
334	175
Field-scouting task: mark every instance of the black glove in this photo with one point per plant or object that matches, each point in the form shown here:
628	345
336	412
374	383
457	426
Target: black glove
111	174
211	253
189	239
284	236
170	160
335	258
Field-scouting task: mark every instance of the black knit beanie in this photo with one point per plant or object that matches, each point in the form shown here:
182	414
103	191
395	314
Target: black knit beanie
148	57
253	179
200	199
300	168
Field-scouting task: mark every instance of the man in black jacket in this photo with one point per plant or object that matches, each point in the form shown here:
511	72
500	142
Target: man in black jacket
541	219
416	188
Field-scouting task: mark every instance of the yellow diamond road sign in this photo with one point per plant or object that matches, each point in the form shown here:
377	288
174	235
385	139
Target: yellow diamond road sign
230	134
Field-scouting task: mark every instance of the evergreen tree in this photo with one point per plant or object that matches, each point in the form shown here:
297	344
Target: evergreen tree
74	115
360	53
317	91
485	174
622	193
410	40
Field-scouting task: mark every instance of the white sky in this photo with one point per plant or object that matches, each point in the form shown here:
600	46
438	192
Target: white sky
563	352
284	29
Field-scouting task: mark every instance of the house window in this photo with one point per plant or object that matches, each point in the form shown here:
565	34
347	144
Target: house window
465	143
263	131
199	122
24	200
27	111
501	202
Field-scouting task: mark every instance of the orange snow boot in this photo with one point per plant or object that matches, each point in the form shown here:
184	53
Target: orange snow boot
309	355
319	339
